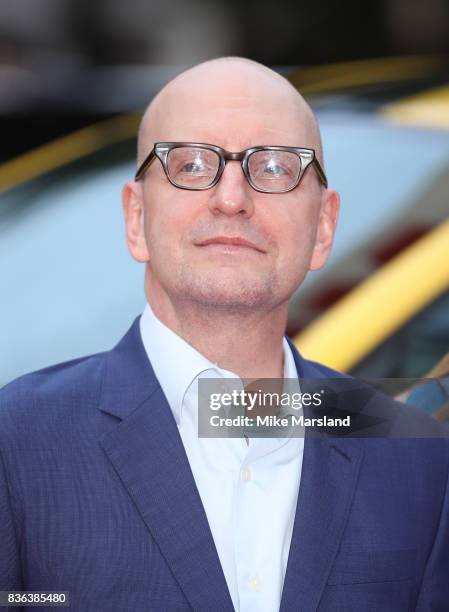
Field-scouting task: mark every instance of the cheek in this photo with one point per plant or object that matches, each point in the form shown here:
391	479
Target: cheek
297	240
297	230
166	226
157	234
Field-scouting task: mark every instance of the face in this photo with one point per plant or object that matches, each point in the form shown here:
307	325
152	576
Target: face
190	239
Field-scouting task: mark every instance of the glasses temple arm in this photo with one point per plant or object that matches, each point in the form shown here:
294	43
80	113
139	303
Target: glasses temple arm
144	165
320	171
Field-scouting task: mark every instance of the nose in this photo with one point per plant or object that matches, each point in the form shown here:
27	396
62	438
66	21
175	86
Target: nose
232	194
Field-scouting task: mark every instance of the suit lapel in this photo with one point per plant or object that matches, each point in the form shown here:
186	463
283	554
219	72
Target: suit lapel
328	480
147	453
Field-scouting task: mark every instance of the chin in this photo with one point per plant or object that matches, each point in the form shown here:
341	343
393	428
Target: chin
228	292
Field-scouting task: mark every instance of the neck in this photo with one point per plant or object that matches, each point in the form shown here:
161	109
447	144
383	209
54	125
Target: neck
248	343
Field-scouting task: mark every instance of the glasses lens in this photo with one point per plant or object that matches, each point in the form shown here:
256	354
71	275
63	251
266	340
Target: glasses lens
273	171
193	167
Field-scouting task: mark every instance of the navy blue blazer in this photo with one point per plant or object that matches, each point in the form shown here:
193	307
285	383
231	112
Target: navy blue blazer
97	498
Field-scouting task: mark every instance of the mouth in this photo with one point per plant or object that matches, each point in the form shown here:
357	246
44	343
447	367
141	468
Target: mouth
229	244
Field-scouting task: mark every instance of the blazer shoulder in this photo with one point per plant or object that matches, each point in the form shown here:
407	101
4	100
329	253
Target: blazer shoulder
314	368
51	392
406	421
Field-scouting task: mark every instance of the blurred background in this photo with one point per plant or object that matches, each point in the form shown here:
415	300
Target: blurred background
74	77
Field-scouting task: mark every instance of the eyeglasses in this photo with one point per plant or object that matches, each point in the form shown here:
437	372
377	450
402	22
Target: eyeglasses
199	166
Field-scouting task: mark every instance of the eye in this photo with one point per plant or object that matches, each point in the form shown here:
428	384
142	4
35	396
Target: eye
191	162
197	165
274	169
271	169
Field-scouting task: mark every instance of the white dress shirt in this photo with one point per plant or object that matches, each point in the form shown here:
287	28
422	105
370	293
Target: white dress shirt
248	488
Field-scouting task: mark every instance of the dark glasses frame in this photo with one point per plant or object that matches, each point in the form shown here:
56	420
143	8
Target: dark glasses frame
161	151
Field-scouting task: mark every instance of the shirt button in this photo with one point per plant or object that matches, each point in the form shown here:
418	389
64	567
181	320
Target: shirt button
254	583
246	474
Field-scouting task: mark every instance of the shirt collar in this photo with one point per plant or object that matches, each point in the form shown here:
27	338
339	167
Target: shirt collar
176	363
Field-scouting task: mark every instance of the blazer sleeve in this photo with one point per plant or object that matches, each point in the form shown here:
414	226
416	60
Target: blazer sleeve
10	566
434	592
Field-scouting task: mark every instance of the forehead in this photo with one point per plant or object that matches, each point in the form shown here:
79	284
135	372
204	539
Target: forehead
235	111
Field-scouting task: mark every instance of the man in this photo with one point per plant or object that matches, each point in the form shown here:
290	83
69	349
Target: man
106	489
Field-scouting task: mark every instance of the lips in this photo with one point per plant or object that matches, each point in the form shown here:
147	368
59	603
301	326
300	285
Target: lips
230	240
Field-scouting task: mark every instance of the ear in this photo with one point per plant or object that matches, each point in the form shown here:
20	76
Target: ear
327	223
133	209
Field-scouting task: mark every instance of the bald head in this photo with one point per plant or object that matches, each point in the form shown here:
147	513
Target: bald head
237	93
